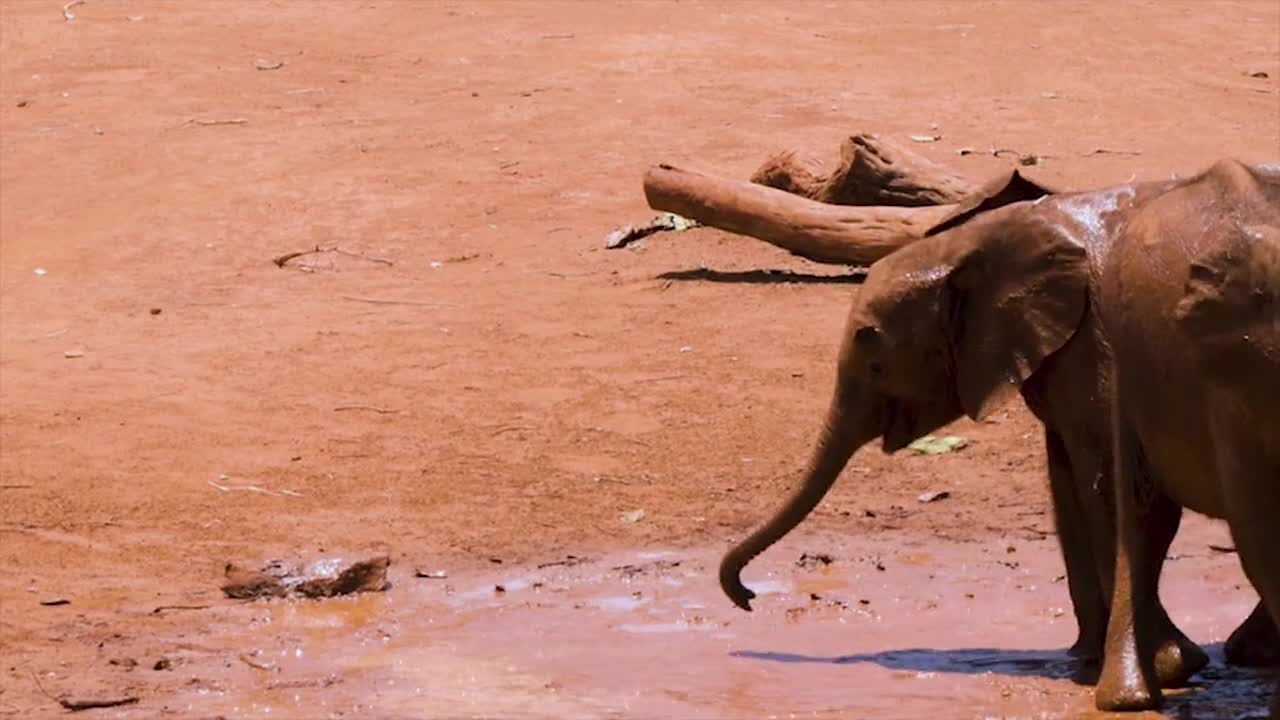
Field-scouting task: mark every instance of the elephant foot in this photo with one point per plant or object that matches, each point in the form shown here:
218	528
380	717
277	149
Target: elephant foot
1255	643
1178	659
1129	697
1088	645
1122	686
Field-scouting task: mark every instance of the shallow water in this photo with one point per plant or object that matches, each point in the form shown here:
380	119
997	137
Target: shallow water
944	630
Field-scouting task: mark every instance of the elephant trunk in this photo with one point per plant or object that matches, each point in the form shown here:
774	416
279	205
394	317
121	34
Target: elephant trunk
854	419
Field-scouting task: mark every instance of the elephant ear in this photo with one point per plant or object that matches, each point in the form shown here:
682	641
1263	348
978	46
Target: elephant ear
1004	189
1015	298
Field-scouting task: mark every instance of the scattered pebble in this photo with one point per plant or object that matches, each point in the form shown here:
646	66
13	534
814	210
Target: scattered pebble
163	664
632	516
41	272
72	354
934	496
263	64
431	574
55	602
156	311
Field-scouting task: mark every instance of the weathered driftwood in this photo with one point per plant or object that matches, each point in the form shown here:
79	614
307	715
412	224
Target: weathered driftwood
870	171
877	198
821	232
817	231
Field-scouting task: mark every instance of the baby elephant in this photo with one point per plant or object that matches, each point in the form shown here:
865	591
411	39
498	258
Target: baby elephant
1190	298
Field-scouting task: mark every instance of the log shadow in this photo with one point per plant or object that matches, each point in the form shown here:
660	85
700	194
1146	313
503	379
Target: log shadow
855	276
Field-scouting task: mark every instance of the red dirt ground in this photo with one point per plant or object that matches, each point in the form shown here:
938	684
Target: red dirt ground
504	387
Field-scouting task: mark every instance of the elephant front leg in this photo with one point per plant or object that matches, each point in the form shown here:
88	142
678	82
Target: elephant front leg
1255	643
1128	680
1074	525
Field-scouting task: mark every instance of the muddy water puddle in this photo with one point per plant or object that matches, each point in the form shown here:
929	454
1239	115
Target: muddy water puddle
943	630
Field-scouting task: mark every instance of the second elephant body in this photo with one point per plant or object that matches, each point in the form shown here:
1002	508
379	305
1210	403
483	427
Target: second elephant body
949	326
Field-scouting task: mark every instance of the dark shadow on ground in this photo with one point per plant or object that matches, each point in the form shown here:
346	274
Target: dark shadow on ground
1218	691
1054	664
764	277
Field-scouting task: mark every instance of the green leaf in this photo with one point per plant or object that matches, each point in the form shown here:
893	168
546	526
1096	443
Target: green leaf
930	445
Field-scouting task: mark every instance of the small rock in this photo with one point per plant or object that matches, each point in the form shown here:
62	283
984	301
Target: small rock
55	602
156	311
72	354
263	64
925	138
163	664
41	272
686	349
23	103
319	579
633	516
807	561
1260	74
431	574
498	589
127	663
934	496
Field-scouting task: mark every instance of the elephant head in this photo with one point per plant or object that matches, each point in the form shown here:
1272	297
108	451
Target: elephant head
949	325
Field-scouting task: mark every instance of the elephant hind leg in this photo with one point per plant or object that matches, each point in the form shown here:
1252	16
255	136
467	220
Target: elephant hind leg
1128	681
1256	643
1251	490
1177	657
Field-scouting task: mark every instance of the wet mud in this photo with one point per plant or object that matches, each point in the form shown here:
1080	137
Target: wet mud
888	628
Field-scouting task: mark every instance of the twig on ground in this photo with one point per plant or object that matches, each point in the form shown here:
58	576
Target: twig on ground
284	259
210	123
78	704
247	660
1106	151
66	10
248	488
509	428
370	408
380	301
163	608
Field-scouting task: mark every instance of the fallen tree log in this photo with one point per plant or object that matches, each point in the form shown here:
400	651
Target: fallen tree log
870	171
821	232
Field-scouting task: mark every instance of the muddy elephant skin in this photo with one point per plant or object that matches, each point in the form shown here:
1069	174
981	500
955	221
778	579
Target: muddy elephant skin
957	322
1191	295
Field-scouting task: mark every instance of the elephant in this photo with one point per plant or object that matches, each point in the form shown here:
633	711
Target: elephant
993	303
1190	296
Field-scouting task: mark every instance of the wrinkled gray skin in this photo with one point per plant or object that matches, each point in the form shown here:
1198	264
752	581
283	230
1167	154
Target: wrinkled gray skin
1190	298
953	324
